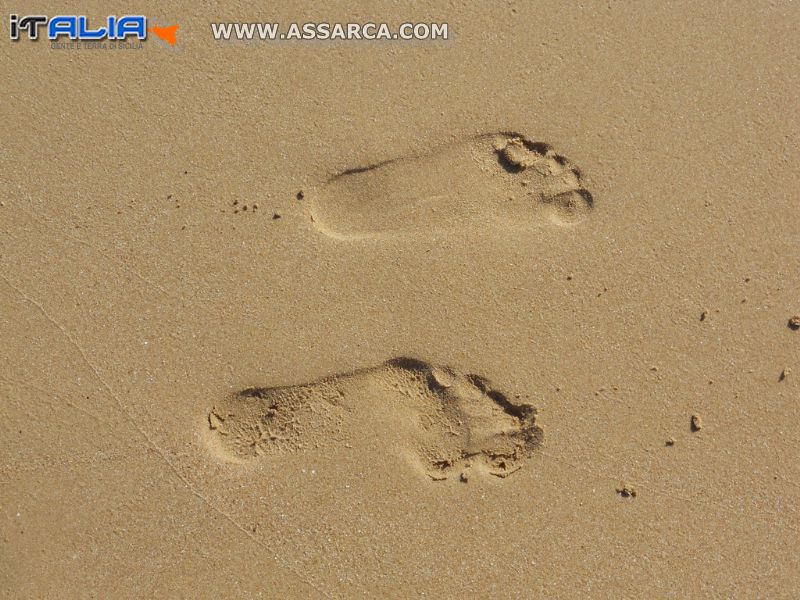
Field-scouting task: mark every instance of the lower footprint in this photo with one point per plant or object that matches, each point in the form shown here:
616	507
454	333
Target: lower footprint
450	424
501	178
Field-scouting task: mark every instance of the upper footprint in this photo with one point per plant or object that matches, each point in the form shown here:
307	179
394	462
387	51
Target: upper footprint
447	423
500	178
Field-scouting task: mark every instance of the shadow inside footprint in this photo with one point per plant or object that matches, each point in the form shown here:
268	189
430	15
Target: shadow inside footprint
449	422
503	178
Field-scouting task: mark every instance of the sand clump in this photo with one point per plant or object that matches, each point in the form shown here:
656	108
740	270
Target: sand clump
696	423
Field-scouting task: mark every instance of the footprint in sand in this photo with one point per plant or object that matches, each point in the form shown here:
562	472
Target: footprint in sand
447	423
501	178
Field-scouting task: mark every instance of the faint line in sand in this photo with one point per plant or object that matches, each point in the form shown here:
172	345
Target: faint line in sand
55	396
150	441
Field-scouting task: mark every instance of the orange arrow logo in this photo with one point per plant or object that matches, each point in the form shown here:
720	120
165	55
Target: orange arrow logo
166	33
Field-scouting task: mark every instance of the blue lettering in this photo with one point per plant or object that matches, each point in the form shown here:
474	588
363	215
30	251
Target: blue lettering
131	25
90	34
63	25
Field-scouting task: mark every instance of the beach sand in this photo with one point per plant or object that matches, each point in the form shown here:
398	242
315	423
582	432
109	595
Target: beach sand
502	316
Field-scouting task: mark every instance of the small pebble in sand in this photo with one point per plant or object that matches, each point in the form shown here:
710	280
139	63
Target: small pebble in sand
626	491
275	216
464	477
784	374
696	423
794	322
670	441
235	202
300	195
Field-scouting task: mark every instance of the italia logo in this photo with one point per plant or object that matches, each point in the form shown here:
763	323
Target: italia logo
76	27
